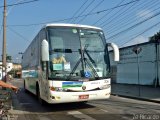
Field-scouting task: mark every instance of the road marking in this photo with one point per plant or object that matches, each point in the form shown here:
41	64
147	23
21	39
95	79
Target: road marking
43	117
104	110
80	115
127	118
25	103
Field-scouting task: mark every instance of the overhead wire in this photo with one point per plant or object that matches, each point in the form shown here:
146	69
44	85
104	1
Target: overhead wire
121	23
107	13
15	32
105	20
84	9
144	31
9	12
20	3
145	15
116	16
133	26
91	11
79	9
133	12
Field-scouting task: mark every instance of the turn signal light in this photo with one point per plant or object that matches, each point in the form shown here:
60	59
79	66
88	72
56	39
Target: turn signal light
53	88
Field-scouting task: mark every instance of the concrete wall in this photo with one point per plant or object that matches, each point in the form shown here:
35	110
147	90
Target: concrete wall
158	49
137	68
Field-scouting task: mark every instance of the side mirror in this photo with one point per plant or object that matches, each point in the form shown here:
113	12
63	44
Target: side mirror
115	50
45	50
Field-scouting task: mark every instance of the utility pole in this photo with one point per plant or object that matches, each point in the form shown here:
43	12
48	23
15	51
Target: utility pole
4	45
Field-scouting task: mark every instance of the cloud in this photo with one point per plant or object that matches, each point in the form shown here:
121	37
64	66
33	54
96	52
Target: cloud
144	14
140	39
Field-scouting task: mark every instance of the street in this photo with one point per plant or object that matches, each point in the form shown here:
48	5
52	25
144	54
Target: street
56	55
26	107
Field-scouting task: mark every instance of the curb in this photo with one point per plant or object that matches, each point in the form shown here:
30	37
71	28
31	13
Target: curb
137	98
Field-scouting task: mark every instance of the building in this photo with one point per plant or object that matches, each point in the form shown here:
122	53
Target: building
17	66
9	68
17	70
139	64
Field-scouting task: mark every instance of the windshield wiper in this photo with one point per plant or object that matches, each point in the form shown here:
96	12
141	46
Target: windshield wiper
90	58
86	62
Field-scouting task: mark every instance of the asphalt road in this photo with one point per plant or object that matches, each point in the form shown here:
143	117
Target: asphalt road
26	107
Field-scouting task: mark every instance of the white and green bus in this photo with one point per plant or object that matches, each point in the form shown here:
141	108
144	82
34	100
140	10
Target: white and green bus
68	63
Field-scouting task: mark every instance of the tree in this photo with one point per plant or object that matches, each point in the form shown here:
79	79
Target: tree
8	58
155	37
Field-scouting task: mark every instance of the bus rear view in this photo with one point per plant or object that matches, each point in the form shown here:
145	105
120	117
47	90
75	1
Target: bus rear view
73	64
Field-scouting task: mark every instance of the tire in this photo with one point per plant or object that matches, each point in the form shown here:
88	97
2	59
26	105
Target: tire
39	97
25	90
84	102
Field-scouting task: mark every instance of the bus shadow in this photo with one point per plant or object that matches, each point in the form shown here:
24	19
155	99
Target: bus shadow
28	102
67	106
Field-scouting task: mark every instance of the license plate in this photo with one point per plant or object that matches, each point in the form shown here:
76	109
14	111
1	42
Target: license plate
83	96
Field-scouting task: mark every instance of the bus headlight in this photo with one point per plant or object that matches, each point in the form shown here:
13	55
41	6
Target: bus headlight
105	87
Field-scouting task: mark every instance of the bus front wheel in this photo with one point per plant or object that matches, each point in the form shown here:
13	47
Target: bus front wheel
25	90
39	96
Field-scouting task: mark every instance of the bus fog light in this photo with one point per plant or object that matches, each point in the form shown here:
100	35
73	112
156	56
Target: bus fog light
105	87
52	97
58	98
55	97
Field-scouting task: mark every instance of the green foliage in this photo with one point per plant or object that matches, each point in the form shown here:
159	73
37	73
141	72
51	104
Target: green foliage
155	37
9	58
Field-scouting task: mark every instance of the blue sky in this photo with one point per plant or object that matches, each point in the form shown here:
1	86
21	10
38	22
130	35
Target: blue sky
112	21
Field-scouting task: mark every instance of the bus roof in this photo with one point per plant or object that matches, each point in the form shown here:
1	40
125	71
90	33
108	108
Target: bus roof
71	25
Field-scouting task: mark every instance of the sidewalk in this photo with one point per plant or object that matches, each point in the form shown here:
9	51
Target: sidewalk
148	93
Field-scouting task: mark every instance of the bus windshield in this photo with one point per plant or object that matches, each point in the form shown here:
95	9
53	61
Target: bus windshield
77	53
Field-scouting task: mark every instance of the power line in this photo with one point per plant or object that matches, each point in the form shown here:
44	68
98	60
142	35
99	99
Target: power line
18	34
91	10
93	13
107	13
114	17
132	12
133	20
101	24
133	26
20	3
122	22
141	33
85	9
79	8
